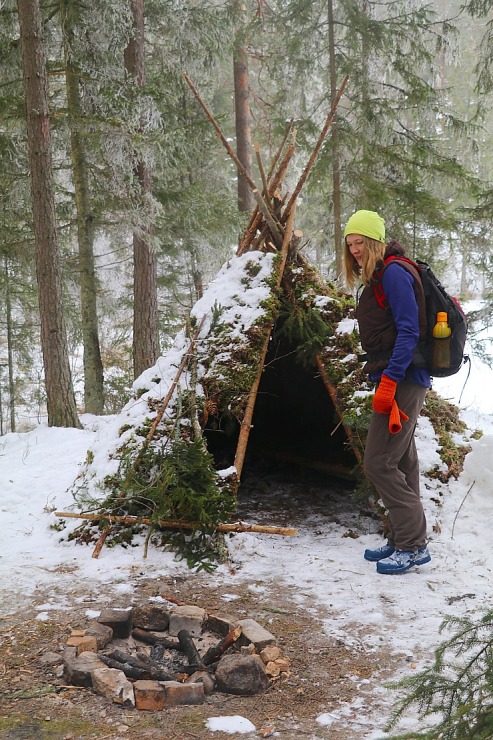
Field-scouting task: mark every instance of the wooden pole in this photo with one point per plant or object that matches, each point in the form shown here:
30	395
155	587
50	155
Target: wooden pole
332	394
104	534
265	184
315	152
173	524
256	216
172	387
276	228
246	423
274	183
102	539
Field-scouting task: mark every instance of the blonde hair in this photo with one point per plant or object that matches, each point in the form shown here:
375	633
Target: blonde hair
372	255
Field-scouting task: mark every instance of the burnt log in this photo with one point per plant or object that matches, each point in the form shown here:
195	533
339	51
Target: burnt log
129	670
155	659
152	639
136	668
188	647
122	657
216	651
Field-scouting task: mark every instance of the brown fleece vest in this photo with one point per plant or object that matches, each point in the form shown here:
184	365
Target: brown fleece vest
376	325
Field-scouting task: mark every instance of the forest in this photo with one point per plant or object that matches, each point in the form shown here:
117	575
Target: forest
119	202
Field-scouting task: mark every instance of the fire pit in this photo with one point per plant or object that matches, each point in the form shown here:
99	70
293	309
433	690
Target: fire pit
159	656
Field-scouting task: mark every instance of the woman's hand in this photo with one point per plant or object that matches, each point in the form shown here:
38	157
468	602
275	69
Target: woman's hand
384	395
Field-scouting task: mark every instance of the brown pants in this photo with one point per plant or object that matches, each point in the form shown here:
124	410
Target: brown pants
391	463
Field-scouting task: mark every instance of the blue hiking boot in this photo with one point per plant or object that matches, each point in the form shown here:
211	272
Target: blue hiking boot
402	560
380	553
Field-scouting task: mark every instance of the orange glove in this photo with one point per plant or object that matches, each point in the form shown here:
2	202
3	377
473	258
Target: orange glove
395	417
384	395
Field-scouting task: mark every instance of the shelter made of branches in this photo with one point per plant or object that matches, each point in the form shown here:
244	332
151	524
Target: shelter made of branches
266	369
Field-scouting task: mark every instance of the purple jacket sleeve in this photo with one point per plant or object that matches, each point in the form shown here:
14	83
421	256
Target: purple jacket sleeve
398	287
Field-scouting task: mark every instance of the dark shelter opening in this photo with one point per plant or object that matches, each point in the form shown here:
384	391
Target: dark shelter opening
294	422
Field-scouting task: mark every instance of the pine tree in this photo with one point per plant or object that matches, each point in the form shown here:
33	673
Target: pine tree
394	131
59	390
457	687
93	367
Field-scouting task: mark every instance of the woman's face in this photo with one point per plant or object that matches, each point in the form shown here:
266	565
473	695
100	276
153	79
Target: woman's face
356	245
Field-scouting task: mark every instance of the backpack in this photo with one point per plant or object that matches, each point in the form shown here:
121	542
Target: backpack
436	299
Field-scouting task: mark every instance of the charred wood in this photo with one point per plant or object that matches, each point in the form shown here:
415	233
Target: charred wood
216	651
190	650
150	638
129	670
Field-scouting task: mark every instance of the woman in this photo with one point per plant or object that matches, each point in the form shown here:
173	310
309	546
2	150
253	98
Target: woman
390	337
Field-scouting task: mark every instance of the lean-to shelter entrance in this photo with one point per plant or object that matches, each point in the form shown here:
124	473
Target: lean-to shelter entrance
294	421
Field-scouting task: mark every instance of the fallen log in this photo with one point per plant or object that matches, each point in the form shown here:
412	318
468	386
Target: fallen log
172	524
215	652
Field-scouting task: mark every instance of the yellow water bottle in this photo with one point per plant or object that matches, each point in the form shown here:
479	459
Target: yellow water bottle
441	341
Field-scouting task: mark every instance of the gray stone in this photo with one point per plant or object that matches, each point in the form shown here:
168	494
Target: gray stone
101	632
51	659
69	653
190	618
220	624
77	671
150	617
120	621
252	631
241	674
113	685
204	677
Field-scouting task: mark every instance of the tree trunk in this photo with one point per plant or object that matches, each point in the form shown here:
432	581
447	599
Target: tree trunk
10	350
93	366
336	170
242	115
58	380
463	269
145	323
363	195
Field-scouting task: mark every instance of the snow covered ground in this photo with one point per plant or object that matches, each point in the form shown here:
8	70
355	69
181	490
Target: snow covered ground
38	468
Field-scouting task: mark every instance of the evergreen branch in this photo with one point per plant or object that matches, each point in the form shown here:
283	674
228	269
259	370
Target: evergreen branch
464	697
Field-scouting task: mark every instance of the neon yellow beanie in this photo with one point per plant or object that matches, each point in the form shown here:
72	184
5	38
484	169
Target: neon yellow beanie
367	223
